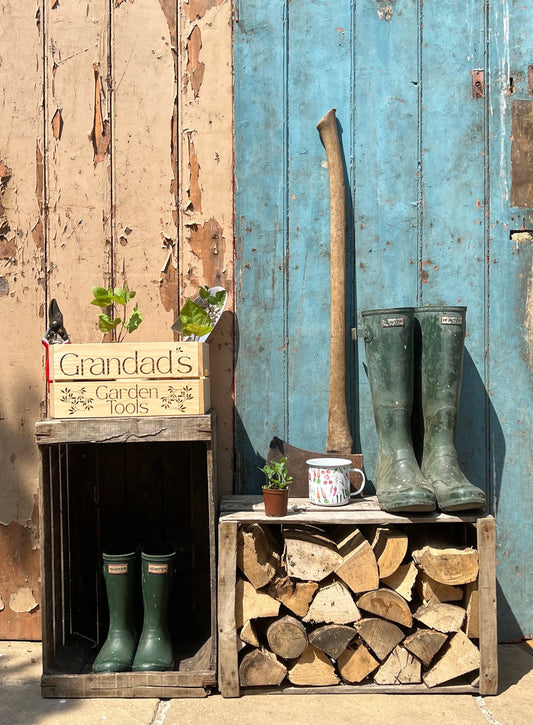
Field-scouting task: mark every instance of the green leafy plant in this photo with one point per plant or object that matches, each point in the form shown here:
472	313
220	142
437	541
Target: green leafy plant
111	297
277	474
198	317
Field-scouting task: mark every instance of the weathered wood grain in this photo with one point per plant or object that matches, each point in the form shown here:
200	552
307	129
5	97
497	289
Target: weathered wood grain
77	212
22	308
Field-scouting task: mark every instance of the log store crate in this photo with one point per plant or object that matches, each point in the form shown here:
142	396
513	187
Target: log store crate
104	481
239	514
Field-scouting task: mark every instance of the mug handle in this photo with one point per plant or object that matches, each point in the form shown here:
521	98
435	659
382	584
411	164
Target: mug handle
356	493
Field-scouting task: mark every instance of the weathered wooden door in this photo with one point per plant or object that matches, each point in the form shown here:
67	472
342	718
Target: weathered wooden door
428	96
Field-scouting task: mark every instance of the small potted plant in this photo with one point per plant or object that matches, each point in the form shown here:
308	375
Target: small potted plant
276	489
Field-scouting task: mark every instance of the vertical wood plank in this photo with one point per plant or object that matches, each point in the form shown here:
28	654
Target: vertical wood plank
144	167
509	334
204	145
454	229
22	298
228	665
387	183
77	159
45	527
319	78
488	634
261	233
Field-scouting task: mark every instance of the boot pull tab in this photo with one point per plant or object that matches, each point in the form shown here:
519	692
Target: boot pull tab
362	332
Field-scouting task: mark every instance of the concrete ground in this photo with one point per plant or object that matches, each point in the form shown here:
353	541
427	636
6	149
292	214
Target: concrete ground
21	702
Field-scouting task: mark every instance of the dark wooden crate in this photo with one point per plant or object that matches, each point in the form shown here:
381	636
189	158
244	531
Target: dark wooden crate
479	532
104	481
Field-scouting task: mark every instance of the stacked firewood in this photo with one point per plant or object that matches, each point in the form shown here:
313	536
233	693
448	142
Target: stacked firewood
329	605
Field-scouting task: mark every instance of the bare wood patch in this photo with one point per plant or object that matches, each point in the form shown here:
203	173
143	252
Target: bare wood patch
101	132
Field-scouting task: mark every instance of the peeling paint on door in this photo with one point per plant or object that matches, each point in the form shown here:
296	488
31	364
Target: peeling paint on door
195	67
100	134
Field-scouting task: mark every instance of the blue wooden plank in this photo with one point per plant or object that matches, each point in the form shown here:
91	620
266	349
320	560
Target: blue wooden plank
261	233
386	178
319	79
510	323
454	222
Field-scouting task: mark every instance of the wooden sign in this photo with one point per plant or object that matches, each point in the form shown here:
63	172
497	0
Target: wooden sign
119	361
128	379
114	399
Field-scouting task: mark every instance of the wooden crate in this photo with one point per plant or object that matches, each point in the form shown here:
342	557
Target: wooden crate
478	532
104	481
128	379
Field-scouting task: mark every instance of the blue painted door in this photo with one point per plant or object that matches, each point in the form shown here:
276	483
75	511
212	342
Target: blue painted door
440	207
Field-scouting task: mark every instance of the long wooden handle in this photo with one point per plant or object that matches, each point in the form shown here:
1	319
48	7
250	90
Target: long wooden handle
339	439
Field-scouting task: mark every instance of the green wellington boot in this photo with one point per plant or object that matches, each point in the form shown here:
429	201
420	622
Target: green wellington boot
120	575
155	647
440	338
388	336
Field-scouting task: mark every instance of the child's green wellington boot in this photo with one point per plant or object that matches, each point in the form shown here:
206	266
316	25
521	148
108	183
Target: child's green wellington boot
155	647
120	575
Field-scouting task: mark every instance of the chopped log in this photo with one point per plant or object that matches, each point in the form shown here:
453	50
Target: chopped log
258	555
356	664
251	604
400	668
390	548
387	604
424	644
309	554
248	634
447	564
261	667
431	591
472	610
294	595
461	657
442	617
287	637
358	568
402	580
313	667
332	638
380	635
333	603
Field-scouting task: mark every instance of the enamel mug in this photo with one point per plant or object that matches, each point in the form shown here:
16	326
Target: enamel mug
329	481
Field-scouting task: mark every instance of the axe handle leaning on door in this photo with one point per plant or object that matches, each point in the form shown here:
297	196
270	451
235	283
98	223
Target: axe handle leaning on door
339	439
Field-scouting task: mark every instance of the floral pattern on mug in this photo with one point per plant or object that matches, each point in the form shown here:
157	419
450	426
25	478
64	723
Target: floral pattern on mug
329	481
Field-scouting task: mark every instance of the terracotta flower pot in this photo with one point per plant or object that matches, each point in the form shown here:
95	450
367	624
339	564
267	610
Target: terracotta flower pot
275	501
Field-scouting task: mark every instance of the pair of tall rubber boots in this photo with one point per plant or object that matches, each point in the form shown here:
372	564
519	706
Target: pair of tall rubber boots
418	350
123	651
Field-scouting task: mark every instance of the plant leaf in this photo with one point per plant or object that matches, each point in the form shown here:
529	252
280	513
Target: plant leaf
219	298
102	297
195	320
106	324
135	320
123	296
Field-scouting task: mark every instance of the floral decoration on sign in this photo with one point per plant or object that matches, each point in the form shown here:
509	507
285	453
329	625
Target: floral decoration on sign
176	398
76	401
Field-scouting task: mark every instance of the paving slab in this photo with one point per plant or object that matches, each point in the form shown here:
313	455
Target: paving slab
21	702
328	710
514	703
